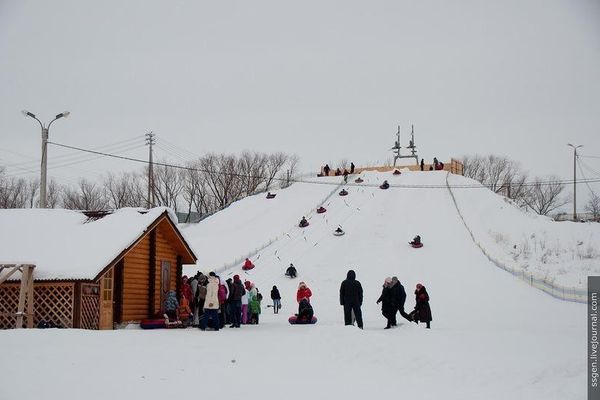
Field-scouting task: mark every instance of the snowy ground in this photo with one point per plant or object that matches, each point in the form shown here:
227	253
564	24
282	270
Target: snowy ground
492	336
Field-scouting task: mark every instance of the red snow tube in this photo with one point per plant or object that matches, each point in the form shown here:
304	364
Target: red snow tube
154	323
321	210
248	267
416	245
295	321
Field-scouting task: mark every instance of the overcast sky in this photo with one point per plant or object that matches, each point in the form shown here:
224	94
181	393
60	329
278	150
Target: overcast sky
325	80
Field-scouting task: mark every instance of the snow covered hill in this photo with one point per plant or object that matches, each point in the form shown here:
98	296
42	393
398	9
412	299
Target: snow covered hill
492	336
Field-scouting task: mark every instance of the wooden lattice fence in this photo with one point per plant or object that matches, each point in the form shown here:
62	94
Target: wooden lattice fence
53	302
90	304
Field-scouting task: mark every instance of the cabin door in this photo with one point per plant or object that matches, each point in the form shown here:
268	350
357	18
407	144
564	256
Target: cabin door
106	301
165	283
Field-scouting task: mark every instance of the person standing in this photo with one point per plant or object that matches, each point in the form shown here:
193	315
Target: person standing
326	169
422	164
388	303
351	297
276	297
235	301
351	167
211	304
303	292
423	311
400	295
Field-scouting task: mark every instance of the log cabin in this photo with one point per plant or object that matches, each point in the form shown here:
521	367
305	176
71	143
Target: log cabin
93	270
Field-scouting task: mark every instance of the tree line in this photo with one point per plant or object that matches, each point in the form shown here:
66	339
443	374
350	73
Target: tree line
506	177
203	186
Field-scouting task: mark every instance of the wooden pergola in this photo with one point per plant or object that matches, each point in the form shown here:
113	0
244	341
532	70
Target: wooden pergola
25	291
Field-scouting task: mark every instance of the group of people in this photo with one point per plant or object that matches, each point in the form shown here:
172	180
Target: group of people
338	172
437	165
392	299
211	302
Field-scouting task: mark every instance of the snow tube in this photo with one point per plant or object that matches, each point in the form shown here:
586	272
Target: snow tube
321	210
295	321
336	233
397	172
155	323
416	245
271	196
303	225
384	187
343	192
247	268
359	180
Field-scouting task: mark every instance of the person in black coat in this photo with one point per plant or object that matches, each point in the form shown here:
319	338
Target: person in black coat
305	310
291	271
423	311
400	296
422	164
388	303
351	297
276	297
235	301
351	167
326	169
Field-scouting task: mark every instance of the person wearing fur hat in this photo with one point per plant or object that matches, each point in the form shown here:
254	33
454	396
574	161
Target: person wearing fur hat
388	303
422	309
211	304
235	301
303	292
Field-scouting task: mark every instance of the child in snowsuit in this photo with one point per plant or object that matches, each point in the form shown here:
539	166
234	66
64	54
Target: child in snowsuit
185	312
254	304
276	297
171	305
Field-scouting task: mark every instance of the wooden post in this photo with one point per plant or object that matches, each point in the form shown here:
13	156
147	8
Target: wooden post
30	300
22	294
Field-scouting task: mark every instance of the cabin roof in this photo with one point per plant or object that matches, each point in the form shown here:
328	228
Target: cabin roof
78	245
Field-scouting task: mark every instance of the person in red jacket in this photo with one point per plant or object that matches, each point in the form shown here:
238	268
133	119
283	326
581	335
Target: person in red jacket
186	289
303	292
248	264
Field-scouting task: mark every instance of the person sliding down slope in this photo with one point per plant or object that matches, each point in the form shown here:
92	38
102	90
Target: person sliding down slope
305	311
291	271
303	222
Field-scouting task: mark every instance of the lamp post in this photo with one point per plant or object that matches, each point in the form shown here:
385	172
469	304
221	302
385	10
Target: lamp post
574	179
44	166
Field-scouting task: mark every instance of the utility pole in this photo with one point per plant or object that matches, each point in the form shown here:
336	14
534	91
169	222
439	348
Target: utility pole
574	179
44	163
150	140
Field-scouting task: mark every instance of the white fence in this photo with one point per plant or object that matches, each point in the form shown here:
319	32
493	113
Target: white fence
560	292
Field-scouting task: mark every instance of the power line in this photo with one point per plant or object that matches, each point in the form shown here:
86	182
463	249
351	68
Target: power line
189	168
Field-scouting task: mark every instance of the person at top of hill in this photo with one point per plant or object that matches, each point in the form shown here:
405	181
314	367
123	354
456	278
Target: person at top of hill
351	297
291	271
276	297
422	311
305	311
338	172
435	163
303	292
416	241
303	222
422	164
326	169
388	303
247	264
351	167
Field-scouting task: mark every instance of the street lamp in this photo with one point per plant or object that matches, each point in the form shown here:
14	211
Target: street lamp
574	179
44	166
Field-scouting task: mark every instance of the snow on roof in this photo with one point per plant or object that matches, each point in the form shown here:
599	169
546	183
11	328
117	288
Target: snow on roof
66	244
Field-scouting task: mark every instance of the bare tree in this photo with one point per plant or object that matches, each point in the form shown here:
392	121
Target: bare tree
53	194
124	190
13	191
87	196
291	170
32	190
195	191
593	206
274	164
252	168
545	197
167	185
